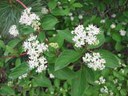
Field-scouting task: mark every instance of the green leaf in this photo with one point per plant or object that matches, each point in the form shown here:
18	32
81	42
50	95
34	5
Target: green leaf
119	46
66	35
52	4
2	45
49	22
18	61
26	30
89	75
65	58
79	84
41	36
57	39
19	70
13	42
111	60
64	74
60	12
41	81
116	37
10	50
78	5
6	90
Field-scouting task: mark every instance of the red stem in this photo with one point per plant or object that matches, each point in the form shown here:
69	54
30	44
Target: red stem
23	54
22	4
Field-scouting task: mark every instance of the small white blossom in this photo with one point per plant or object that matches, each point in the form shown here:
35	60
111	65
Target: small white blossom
35	50
113	26
119	88
111	93
29	18
104	90
113	15
123	65
94	61
44	10
102	21
70	14
13	31
115	81
122	70
23	76
80	16
72	18
36	25
51	75
85	35
100	81
59	3
124	23
122	32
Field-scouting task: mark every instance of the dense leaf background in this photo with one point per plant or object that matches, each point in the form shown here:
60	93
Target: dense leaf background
71	76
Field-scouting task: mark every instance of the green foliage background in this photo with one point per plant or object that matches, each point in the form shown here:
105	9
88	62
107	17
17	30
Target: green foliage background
72	76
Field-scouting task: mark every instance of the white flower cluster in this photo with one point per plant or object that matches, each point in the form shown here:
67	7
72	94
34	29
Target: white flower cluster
100	81
94	61
113	15
85	35
44	10
23	76
113	26
35	51
71	16
103	21
29	18
122	32
13	31
104	90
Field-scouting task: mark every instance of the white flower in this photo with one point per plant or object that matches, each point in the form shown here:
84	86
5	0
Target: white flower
94	61
59	3
72	18
123	23
113	26
122	32
113	15
101	80
104	90
13	31
111	93
80	16
44	10
102	21
51	75
35	50
70	14
23	76
115	81
29	18
85	35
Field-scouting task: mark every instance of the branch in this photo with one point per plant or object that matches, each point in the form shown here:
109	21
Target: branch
13	56
22	4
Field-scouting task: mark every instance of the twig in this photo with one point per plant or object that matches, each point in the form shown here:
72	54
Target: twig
23	54
22	4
